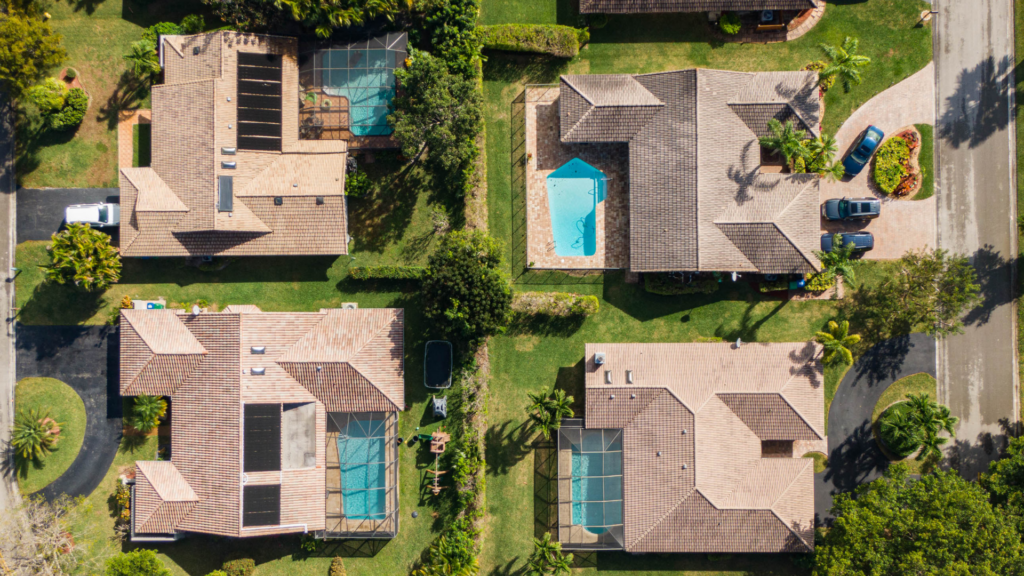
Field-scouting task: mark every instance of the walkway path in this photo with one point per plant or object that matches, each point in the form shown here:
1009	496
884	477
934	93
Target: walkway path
85	358
853	455
904	224
8	486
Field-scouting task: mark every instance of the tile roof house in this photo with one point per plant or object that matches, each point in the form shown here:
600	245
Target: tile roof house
698	199
229	174
271	412
655	6
694	448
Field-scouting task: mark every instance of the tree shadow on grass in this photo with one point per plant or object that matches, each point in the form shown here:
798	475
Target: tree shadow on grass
505	445
128	95
384	214
59	304
749	326
31	137
544	325
520	67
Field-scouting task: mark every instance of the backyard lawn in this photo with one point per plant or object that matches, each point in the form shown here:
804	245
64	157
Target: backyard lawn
65	406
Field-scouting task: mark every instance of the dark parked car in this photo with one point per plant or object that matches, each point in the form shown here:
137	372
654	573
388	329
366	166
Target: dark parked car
862	241
862	152
851	208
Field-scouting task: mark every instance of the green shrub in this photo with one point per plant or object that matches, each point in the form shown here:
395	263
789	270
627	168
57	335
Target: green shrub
84	257
560	41
729	23
555	303
598	21
891	164
309	543
820	281
663	285
192	24
73	112
136	563
899	447
799	166
240	567
218	573
357	184
387	273
49	96
145	412
824	82
337	567
71	74
774	286
160	29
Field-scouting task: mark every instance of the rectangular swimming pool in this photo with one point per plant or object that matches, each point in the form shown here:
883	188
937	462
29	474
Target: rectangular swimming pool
574	191
597	480
361	453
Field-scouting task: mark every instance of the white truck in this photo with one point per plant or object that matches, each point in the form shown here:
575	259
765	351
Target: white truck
99	215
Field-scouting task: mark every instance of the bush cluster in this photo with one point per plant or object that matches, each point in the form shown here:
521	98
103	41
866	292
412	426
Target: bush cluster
892	164
73	112
663	285
357	184
560	41
824	82
554	303
61	108
240	567
773	286
729	23
387	272
820	281
337	567
451	25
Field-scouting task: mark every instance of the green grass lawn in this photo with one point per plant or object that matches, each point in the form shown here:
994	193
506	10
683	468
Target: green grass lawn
927	161
66	407
96	34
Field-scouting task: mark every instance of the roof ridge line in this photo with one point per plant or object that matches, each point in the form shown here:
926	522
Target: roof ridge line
665	515
783	493
798	413
580	121
795	245
375	387
565	78
816	132
649	402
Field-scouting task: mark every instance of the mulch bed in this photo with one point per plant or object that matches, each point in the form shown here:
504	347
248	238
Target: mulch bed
912	182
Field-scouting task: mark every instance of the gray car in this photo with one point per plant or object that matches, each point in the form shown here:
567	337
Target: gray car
862	241
851	208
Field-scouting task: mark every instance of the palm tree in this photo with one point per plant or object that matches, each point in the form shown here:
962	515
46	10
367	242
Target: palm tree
833	172
899	427
547	559
143	60
785	139
451	557
146	412
32	437
547	411
930	446
323	15
844	62
930	416
837	342
822	150
387	8
840	259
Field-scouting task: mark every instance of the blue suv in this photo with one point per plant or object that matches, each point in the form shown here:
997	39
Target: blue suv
863	151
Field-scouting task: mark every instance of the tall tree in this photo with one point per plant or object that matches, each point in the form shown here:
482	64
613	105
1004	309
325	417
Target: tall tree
38	537
84	257
142	60
547	558
248	15
28	48
837	342
146	412
840	260
547	410
844	62
324	16
437	110
940	524
785	139
1005	481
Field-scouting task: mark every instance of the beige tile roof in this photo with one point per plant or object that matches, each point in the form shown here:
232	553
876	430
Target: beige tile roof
208	402
171	209
708	407
697	198
656	6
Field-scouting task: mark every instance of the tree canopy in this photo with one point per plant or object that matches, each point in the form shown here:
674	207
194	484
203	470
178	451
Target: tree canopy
84	257
940	524
28	48
1005	480
466	293
437	110
139	562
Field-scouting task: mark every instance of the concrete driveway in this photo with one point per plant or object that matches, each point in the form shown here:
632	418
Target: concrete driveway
41	211
904	224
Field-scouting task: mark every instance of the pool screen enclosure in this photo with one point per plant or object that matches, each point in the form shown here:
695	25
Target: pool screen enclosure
590	488
362	478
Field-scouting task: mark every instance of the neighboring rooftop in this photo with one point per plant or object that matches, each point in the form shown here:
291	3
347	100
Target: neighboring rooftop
229	175
252	392
698	199
708	435
654	6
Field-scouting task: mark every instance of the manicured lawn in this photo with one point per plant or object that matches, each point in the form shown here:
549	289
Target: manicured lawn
142	144
916	384
66	407
820	461
927	161
96	34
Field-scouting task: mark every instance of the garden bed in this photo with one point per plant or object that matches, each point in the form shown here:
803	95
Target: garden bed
895	169
66	407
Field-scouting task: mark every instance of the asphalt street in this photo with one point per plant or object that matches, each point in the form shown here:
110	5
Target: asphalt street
977	371
8	489
41	212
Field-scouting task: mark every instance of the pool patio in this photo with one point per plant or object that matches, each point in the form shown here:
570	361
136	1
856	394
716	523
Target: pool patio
545	154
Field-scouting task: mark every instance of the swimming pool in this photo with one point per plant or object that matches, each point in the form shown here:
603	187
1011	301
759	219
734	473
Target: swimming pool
367	79
597	480
361	451
574	191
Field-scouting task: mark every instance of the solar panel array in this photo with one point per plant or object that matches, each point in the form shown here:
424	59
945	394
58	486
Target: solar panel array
259	101
262	438
261	505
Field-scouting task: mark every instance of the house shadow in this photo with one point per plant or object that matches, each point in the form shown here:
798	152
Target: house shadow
260	269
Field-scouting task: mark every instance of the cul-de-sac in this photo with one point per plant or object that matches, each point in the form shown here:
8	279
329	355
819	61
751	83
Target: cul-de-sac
511	288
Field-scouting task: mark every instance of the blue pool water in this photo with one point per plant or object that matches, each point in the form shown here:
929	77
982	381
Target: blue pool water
362	469
574	191
367	79
597	483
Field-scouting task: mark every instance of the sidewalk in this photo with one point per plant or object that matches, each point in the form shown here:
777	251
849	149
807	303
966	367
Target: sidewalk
8	488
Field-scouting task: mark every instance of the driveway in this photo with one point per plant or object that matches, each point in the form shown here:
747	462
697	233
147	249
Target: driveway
85	358
853	455
904	224
41	211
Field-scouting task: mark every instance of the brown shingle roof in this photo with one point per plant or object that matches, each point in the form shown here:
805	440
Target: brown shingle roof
171	208
728	498
655	6
208	402
697	198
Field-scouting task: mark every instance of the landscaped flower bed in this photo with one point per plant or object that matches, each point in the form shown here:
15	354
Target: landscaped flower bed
896	171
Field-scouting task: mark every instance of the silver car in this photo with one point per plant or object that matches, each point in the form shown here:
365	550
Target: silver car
99	215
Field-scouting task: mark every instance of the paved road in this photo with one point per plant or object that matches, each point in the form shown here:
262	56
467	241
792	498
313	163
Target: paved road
977	371
8	488
41	212
853	455
85	358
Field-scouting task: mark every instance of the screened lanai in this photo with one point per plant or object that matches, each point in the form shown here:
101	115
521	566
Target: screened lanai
590	488
362	475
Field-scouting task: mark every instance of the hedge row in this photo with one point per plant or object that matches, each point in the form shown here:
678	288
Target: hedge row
387	272
554	303
560	41
663	285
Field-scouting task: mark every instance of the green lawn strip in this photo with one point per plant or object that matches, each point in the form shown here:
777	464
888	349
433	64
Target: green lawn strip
142	144
66	407
927	161
820	461
96	35
897	392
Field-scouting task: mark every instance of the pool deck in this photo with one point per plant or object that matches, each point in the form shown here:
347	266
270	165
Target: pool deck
335	521
545	154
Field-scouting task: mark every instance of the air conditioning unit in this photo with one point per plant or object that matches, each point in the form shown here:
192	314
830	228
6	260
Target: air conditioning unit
599	358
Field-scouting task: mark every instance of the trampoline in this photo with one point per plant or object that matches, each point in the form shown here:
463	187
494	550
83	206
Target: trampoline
437	364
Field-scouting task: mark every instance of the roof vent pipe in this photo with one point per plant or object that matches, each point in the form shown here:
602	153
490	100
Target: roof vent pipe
607	376
739	342
195	309
258	350
259	371
629	376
